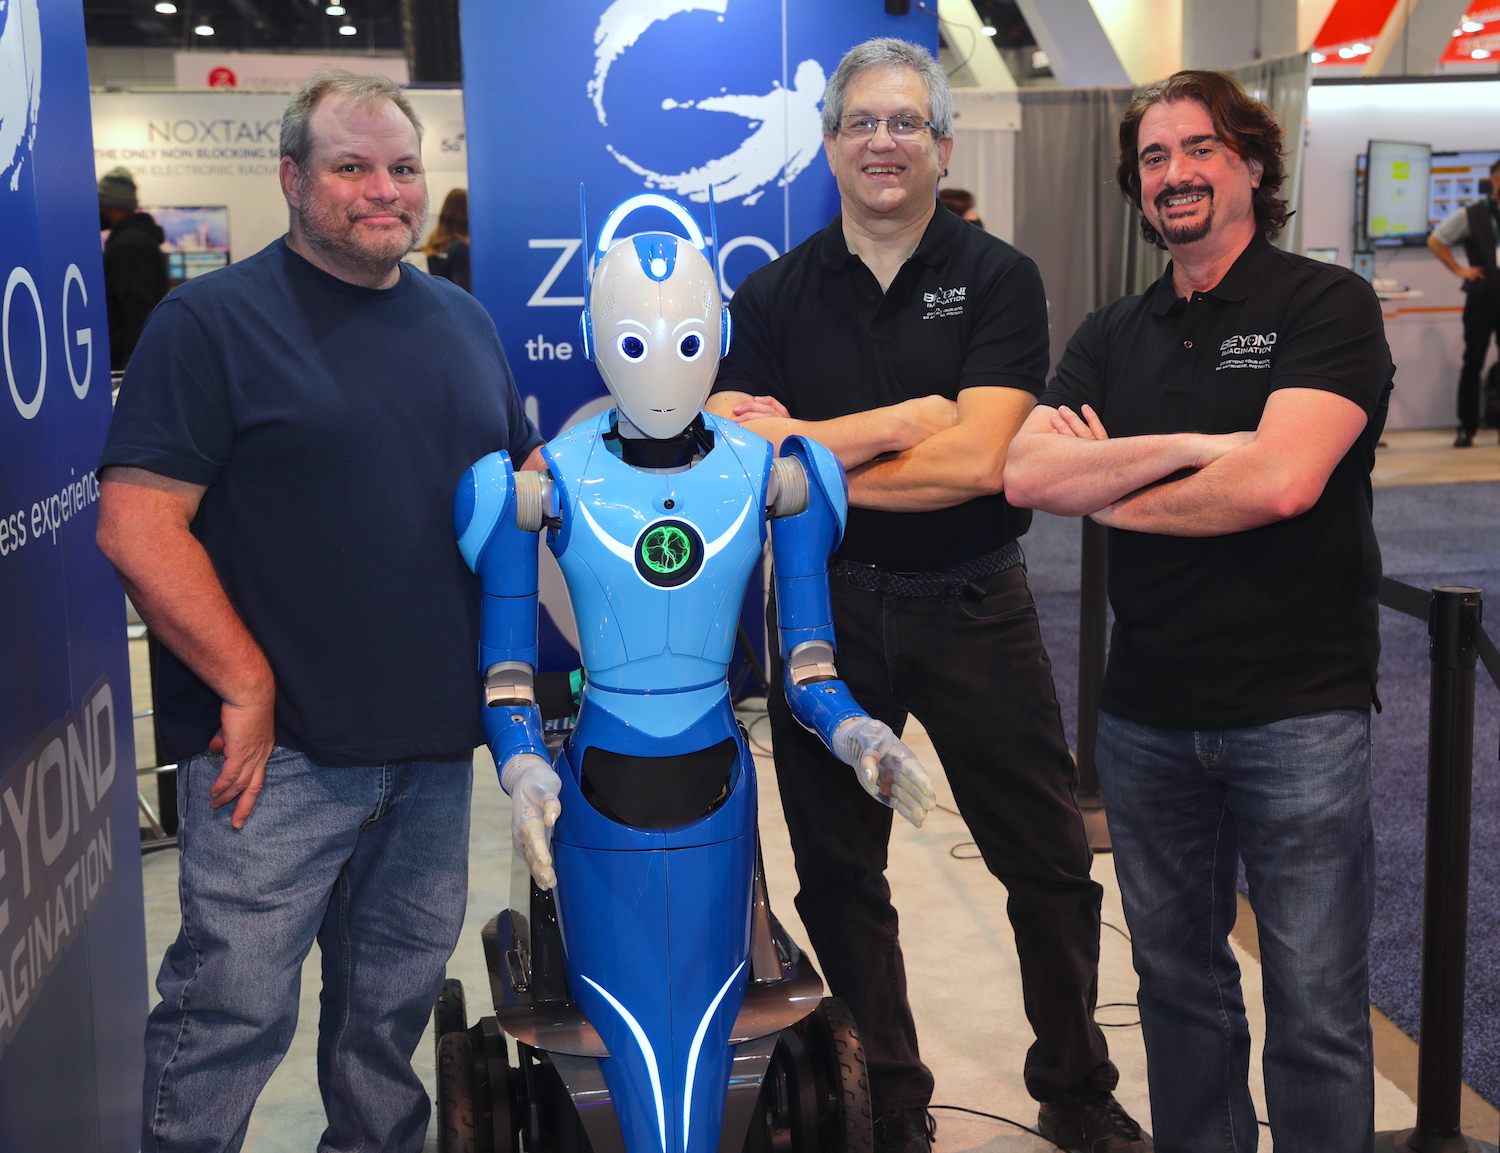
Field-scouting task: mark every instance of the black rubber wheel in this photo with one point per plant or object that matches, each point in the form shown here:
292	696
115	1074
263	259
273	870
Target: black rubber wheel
457	1128
449	1013
845	1120
495	1089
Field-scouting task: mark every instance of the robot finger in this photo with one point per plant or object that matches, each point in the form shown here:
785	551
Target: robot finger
538	856
551	811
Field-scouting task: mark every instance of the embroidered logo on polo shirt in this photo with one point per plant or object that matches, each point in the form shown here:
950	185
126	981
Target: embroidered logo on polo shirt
944	302
1251	351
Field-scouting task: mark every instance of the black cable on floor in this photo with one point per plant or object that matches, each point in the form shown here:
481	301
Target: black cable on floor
991	1116
1120	1024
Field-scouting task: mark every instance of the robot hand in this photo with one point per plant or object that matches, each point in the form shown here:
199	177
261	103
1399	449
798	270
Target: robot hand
534	809
888	770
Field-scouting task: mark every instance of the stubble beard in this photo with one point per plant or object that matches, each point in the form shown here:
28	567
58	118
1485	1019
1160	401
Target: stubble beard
338	234
1183	233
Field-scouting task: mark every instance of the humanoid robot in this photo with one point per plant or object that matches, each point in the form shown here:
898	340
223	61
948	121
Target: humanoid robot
642	975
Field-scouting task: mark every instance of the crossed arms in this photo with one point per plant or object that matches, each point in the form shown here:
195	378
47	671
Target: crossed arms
916	456
1065	463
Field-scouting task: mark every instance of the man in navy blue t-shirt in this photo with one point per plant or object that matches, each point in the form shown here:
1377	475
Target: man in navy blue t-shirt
276	493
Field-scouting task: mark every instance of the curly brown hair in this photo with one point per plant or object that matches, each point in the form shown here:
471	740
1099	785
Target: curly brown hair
1245	125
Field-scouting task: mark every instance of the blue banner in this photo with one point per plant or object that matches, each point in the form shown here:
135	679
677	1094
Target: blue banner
639	95
72	938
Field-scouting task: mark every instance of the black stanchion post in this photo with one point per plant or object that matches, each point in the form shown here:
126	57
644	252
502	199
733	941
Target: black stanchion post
1092	592
1454	626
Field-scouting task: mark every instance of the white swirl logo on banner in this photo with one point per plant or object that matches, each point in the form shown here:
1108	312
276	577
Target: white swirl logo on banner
20	84
787	125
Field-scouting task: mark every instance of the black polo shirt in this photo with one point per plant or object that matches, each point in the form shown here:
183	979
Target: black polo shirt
814	330
1280	621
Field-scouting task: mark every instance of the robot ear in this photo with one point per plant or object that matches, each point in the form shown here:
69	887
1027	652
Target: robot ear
726	329
586	334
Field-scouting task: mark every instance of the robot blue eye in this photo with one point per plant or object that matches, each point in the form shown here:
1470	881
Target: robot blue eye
632	347
690	346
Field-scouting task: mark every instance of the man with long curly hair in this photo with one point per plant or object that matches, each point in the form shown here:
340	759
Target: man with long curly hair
1223	425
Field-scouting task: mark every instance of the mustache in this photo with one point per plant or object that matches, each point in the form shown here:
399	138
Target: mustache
1180	190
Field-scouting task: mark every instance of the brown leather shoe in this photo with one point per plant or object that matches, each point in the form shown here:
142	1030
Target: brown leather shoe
1091	1123
905	1131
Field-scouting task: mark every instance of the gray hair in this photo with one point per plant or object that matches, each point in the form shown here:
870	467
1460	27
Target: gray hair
887	52
331	80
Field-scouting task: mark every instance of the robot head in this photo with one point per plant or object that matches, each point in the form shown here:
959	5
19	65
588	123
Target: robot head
655	325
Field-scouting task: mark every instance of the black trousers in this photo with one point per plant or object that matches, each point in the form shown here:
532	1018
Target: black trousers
973	670
1481	322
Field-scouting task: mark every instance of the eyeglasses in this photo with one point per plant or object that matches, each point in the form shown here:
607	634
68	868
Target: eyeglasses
900	127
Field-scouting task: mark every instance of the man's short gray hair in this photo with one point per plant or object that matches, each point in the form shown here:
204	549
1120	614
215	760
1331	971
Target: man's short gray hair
331	80
887	52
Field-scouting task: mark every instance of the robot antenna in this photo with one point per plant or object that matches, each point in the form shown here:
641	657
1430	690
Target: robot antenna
648	200
583	222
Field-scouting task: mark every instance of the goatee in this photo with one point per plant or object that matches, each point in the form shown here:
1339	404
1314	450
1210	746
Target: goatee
1185	233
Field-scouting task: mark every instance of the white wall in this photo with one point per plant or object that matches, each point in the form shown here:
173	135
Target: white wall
210	148
1426	334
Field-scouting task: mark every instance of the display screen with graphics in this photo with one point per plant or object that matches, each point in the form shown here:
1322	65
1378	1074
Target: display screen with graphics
197	239
1396	190
1457	179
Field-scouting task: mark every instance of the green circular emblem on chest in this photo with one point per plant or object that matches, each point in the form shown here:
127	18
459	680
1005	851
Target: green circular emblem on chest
665	549
669	553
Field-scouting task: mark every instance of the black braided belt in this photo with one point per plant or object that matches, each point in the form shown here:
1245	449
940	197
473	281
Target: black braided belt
943	582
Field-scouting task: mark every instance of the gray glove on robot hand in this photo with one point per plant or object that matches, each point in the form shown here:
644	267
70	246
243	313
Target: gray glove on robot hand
534	808
888	770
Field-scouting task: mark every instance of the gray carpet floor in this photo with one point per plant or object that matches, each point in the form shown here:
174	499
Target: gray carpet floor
1429	534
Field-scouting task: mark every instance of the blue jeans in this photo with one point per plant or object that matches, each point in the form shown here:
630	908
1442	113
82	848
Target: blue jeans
1291	798
373	864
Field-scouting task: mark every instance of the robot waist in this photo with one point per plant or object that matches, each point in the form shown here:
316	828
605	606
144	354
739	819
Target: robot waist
661	692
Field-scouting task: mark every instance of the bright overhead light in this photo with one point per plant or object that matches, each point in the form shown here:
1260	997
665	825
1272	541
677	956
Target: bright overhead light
1318	58
987	30
334	10
347	30
167	8
1346	53
1472	26
1480	54
1361	49
204	30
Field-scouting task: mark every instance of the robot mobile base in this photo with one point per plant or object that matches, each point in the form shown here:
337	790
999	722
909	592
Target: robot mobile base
798	1084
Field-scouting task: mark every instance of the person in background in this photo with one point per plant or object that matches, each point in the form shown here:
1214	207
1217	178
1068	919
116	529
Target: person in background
1477	228
1222	425
135	267
276	492
447	248
960	202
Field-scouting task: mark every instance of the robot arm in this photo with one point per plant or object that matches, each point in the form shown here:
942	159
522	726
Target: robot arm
809	507
493	508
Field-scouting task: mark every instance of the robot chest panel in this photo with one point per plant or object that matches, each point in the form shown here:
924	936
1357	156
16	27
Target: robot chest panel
661	555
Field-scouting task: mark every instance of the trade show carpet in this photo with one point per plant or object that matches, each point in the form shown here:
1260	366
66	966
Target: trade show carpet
1429	535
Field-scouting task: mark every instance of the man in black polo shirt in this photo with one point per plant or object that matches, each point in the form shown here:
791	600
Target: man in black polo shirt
914	344
1242	394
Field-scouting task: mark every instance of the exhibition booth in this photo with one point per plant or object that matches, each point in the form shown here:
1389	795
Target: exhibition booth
569	111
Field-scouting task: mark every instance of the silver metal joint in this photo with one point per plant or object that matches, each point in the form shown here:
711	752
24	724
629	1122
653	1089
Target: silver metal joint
787	491
509	683
811	662
535	499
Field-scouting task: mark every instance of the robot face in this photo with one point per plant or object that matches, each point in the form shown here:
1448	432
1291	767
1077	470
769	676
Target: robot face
655	313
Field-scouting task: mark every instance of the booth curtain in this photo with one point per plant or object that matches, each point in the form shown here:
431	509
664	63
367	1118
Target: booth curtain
1070	216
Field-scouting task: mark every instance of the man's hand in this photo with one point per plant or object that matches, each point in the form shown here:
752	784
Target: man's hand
887	769
855	439
1471	272
246	736
534	808
1085	425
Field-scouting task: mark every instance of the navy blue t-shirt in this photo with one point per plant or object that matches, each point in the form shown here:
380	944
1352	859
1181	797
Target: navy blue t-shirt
330	423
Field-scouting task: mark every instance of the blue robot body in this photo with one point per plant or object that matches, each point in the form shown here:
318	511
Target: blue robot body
654	848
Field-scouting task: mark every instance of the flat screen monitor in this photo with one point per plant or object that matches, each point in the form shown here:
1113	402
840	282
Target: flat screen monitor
1397	191
1458	180
197	239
